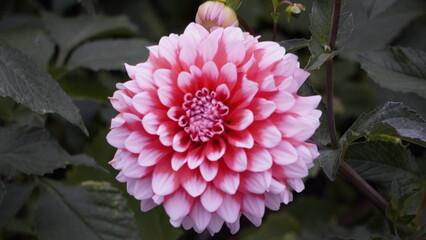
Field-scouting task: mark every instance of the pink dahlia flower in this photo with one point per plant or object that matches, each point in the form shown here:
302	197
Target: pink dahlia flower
211	127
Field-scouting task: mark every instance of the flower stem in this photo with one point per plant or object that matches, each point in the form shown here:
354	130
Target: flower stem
350	174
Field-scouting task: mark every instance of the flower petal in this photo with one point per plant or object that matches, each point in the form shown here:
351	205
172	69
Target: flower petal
262	108
164	179
266	134
242	139
209	169
178	204
215	148
227	181
229	210
236	159
211	199
259	159
181	141
192	181
239	119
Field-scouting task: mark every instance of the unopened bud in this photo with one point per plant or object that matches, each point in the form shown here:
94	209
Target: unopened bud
216	14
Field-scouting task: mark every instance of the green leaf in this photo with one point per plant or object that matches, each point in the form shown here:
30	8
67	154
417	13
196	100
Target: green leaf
321	18
293	45
321	21
385	162
403	204
376	33
375	7
91	211
392	121
16	195
330	161
32	41
23	81
33	151
109	54
69	32
397	68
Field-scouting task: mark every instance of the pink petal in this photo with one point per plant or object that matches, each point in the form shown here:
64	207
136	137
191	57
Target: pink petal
209	46
147	205
164	179
169	96
200	217
151	122
175	112
222	92
242	139
192	182
117	136
211	199
284	153
210	74
133	122
152	154
227	181
178	204
228	75
304	105
259	159
236	159
215	224
276	187
239	119
163	77
195	156
166	131
262	108
229	210
181	141
178	160
253	205
136	142
143	189
297	169
256	182
296	184
266	134
283	100
168	48
215	148
273	201
187	83
145	102
209	169
245	94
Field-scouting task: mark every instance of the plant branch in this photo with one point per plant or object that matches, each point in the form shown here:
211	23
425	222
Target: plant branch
353	177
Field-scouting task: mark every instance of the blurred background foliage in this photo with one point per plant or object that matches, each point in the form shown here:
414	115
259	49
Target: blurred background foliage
83	45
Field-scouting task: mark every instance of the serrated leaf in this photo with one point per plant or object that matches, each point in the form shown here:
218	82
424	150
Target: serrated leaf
91	211
16	195
383	163
397	68
32	41
376	33
23	81
330	161
33	151
375	7
69	32
109	54
319	55
393	120
292	45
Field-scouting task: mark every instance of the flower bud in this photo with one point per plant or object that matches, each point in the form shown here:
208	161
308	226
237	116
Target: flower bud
216	14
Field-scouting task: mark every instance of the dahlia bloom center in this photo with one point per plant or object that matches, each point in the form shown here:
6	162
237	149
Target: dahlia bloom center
203	115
